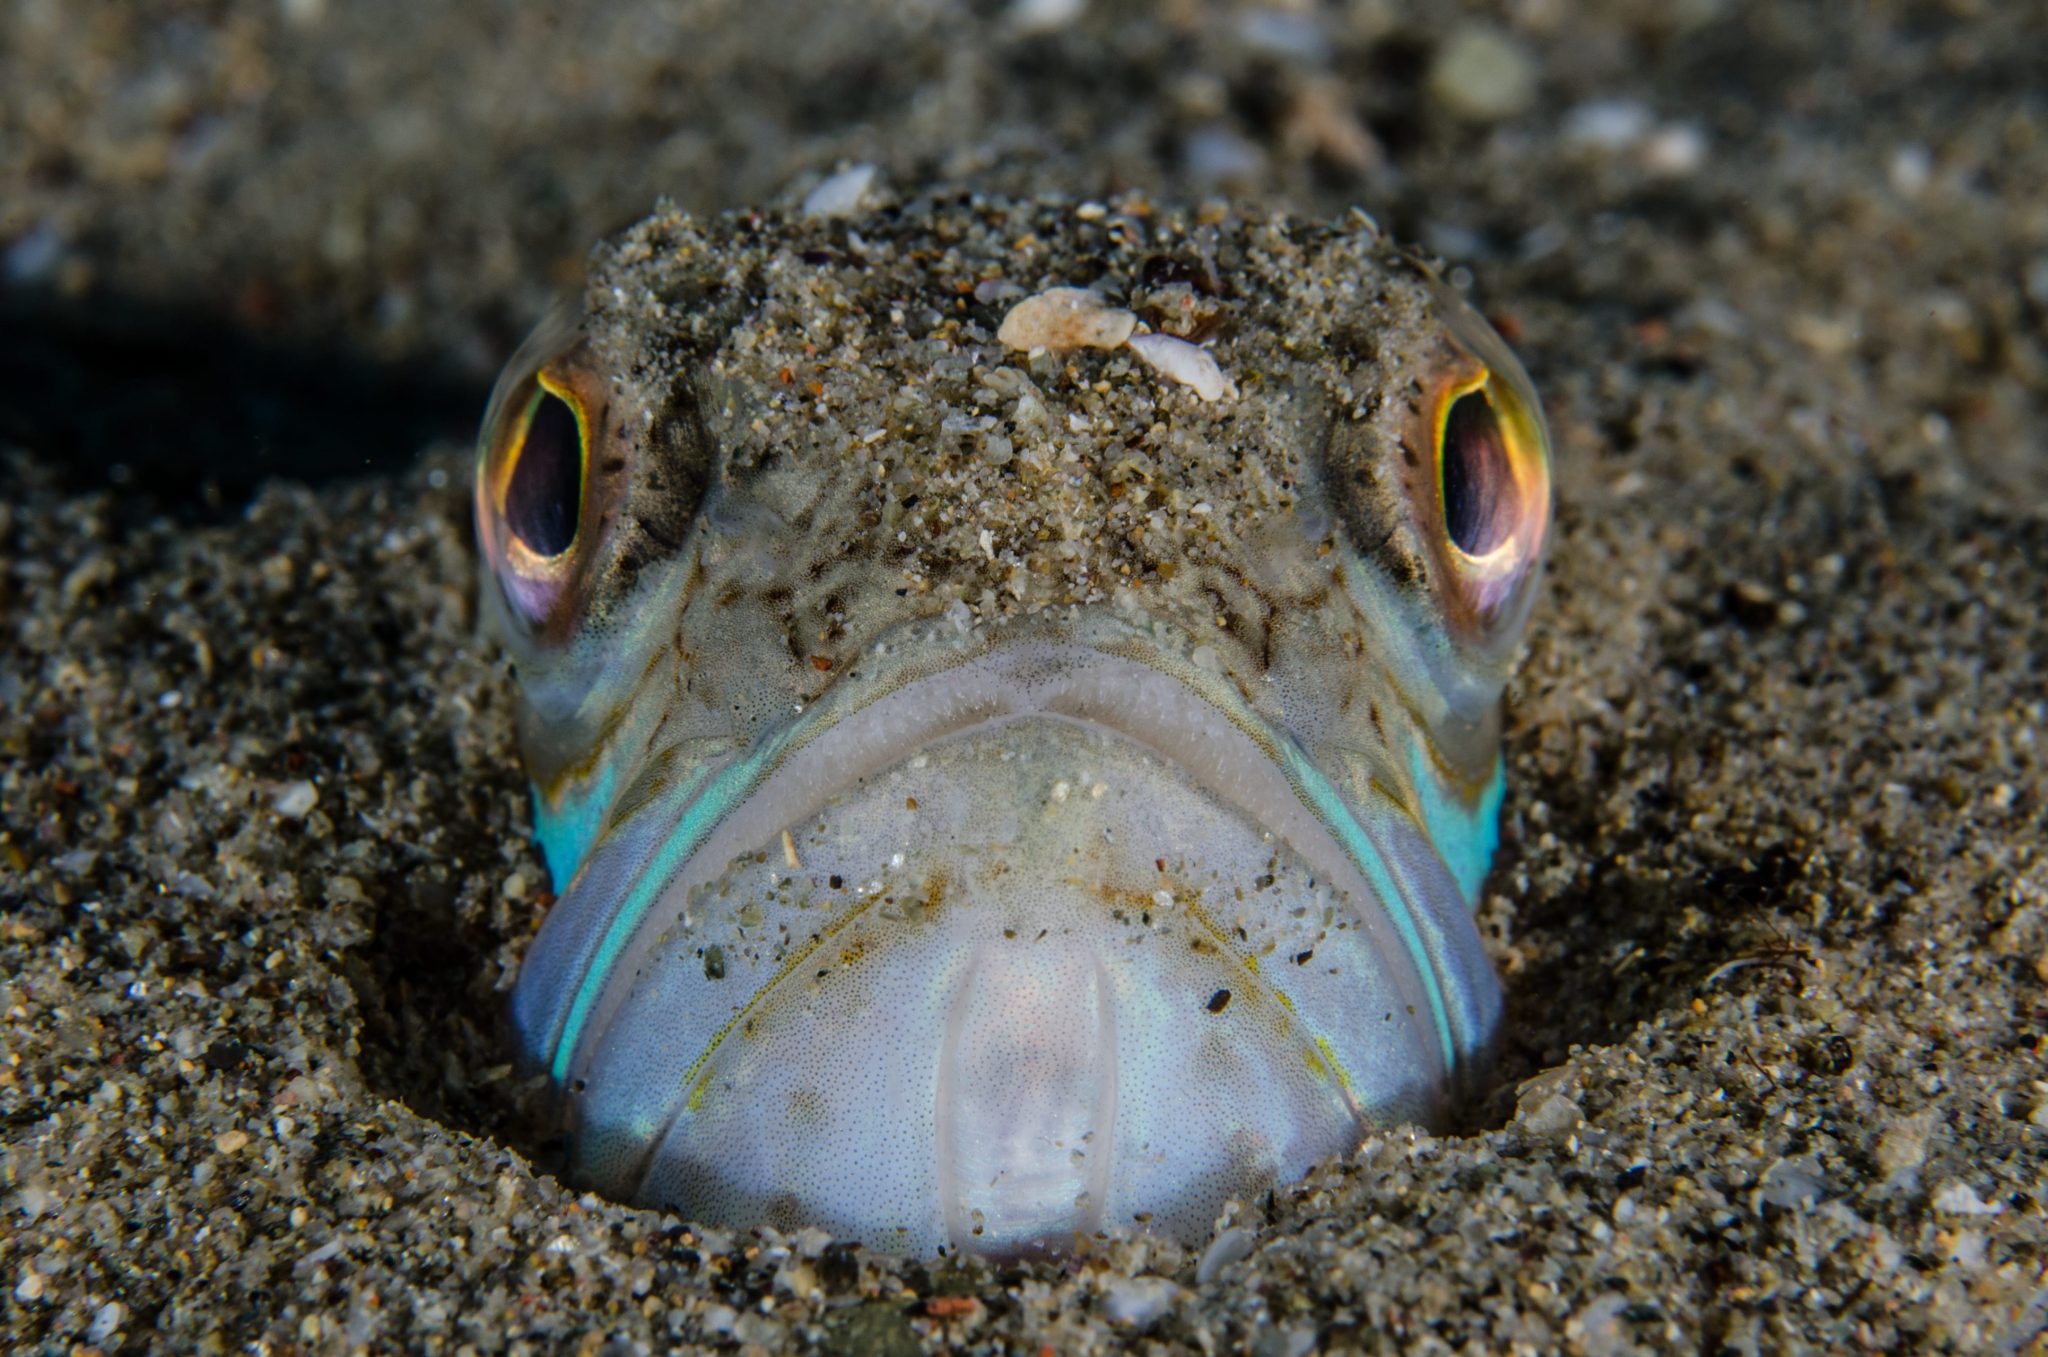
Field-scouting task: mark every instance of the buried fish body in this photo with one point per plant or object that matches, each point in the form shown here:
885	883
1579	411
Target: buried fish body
1000	791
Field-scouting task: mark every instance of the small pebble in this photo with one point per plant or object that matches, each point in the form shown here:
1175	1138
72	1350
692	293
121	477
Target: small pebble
1903	1146
1675	151
1600	1327
1188	364
1482	75
1289	1340
841	195
34	257
2037	280
1217	156
1960	1199
1554	1118
1294	35
1912	165
1044	16
1321	123
1063	318
1234	1245
1793	1184
106	1322
1138	1302
1607	124
295	800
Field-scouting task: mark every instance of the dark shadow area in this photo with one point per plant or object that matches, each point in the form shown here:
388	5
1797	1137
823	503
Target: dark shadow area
434	1031
1631	945
110	389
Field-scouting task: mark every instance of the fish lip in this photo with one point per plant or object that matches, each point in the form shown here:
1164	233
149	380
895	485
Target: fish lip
1067	669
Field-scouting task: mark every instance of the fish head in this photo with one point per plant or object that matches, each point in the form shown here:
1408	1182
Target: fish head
996	794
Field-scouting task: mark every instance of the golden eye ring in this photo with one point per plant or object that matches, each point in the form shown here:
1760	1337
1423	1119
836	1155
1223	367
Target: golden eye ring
541	484
1493	488
535	515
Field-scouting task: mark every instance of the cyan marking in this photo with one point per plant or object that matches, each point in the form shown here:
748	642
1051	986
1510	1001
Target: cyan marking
731	786
1465	839
1330	808
566	832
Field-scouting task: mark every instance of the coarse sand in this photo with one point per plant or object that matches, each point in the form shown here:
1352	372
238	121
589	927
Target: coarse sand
1773	907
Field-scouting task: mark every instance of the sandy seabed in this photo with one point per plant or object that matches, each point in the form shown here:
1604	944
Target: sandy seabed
1773	909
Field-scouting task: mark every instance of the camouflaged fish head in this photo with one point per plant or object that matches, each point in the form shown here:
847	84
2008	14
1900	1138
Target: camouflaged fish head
996	794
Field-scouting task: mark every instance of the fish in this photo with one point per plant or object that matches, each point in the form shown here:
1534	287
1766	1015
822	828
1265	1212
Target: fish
1006	784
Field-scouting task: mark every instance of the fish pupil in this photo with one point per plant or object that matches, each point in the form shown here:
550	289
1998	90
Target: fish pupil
1478	479
545	496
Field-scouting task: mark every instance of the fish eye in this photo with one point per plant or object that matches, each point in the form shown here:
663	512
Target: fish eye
1478	481
585	475
549	453
534	497
1493	484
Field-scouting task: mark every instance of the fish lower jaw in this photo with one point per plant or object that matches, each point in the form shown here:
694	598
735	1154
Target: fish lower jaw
1053	993
1046	943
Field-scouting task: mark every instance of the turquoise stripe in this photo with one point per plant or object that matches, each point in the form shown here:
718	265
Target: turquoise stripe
566	835
1465	839
1337	816
731	786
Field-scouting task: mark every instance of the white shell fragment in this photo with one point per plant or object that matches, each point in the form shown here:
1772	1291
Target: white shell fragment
1234	1245
1188	364
1138	1302
1044	16
1066	318
841	195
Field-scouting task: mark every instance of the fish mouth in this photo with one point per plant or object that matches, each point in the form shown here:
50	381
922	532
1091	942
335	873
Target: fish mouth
986	931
